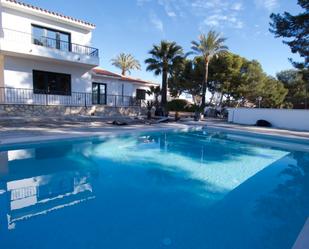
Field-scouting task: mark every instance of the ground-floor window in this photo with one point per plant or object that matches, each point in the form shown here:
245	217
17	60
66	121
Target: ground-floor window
98	93
140	94
51	83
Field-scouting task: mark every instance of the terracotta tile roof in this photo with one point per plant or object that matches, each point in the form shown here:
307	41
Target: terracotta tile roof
50	12
104	72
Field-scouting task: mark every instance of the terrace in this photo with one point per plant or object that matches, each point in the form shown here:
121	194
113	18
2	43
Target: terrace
24	96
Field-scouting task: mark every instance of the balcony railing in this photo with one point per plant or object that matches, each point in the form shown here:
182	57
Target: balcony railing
65	46
24	96
18	36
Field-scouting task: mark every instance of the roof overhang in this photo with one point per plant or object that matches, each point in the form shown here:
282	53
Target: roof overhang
37	11
125	79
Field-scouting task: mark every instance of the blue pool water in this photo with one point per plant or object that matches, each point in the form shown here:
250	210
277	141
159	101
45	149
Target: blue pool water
182	190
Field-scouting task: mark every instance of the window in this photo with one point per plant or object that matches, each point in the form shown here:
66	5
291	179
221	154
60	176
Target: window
51	83
51	38
140	94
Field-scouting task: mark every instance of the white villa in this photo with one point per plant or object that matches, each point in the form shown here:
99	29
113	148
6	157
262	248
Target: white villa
47	58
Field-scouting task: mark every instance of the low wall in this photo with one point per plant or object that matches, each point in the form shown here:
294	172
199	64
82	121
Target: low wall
8	110
293	119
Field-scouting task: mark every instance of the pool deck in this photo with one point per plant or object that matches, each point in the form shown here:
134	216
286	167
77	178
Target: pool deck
31	131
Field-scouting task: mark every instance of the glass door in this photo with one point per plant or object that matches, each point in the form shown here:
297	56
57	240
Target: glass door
98	93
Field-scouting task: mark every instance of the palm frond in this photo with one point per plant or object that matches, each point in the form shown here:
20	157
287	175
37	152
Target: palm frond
209	45
163	56
126	62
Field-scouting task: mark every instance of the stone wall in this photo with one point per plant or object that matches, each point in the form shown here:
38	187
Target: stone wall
10	110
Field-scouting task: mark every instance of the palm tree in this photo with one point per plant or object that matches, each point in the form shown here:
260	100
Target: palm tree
208	46
154	90
126	62
164	57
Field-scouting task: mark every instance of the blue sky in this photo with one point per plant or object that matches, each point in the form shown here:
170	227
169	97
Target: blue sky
132	26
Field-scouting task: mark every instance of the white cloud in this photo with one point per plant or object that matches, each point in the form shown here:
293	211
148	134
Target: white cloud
171	13
216	20
173	8
157	22
211	12
210	4
267	4
237	6
142	2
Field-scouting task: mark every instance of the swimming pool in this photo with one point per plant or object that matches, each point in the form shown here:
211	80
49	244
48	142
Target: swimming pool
182	190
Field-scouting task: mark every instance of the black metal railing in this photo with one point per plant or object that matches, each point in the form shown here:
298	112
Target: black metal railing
65	46
24	96
22	37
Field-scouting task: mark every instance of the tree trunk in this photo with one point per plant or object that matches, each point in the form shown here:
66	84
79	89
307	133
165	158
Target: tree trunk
123	72
211	98
204	87
306	96
221	99
228	100
164	90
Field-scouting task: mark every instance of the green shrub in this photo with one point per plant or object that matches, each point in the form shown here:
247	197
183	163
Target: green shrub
180	105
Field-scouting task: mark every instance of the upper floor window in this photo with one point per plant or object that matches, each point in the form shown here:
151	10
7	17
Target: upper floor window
51	38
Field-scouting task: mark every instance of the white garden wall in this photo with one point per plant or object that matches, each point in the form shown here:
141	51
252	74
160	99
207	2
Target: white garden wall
293	119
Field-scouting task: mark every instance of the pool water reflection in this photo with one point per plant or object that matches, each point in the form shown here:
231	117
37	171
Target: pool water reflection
157	190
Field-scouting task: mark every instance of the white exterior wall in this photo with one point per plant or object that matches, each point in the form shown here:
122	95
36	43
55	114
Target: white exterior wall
18	73
16	30
1	70
281	118
20	21
114	86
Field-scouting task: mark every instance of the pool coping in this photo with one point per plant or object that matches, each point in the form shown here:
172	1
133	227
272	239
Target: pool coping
261	133
116	131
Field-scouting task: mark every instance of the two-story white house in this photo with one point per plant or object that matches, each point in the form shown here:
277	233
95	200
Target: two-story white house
47	58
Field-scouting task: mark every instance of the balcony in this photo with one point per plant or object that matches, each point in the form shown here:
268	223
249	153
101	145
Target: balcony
65	46
17	42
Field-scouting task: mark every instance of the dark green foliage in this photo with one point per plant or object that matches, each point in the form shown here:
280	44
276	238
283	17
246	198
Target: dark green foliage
244	81
180	105
294	81
187	78
238	80
296	29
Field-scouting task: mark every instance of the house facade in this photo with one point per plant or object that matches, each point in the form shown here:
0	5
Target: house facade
47	58
121	90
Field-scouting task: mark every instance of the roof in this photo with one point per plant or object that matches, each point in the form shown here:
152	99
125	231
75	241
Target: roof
103	72
49	12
